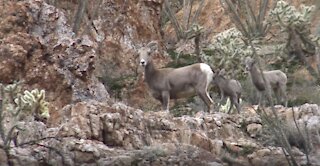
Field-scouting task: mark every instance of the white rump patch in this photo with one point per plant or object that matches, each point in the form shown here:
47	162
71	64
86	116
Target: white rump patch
207	69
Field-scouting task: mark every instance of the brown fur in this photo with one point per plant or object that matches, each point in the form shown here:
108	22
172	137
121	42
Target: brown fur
230	88
275	80
174	83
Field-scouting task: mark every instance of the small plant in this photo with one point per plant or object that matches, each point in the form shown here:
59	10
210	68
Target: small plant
224	108
13	104
34	102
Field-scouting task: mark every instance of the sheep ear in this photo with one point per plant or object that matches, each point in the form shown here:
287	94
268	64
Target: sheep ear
213	69
247	60
217	71
222	72
153	45
253	61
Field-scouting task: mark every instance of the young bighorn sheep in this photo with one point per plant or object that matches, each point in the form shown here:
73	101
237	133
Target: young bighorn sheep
230	88
175	83
275	79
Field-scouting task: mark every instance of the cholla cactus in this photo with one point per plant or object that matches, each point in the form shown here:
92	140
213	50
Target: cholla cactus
285	14
10	92
15	102
12	105
229	52
33	101
195	29
225	108
295	24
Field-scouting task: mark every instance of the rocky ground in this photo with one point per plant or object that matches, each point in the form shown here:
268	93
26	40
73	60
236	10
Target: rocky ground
96	133
87	127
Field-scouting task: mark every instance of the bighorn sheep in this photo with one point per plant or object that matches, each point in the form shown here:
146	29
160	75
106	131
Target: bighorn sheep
174	83
275	79
231	88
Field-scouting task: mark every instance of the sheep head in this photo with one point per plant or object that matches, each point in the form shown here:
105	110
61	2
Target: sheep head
145	53
249	62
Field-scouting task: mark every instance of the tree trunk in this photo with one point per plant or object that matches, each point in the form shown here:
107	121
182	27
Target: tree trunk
197	45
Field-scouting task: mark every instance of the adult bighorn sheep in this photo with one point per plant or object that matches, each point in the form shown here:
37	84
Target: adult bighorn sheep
275	79
228	87
175	83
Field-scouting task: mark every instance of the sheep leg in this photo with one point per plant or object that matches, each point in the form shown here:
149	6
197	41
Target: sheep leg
221	94
263	98
237	103
259	95
238	106
222	97
205	98
238	97
231	104
165	100
278	95
284	94
267	96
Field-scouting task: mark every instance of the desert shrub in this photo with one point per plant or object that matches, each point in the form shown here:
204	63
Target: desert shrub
249	92
294	137
150	104
180	59
290	131
189	106
147	156
304	93
286	134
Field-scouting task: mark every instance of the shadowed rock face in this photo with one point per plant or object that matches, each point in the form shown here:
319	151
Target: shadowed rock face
38	47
